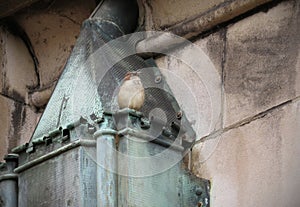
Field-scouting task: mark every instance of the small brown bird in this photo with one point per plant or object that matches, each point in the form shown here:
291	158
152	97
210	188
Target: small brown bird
131	94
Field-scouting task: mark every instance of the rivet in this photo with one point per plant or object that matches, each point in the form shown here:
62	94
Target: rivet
179	115
157	79
145	124
199	191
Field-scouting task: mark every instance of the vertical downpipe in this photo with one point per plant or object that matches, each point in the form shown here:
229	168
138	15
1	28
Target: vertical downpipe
9	183
115	18
106	164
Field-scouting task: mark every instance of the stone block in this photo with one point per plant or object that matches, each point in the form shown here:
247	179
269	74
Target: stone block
261	58
193	74
5	105
213	47
9	7
17	67
2	60
193	17
255	164
53	33
29	122
164	15
18	122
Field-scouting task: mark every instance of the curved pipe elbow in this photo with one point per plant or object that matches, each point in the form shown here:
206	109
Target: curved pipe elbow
119	15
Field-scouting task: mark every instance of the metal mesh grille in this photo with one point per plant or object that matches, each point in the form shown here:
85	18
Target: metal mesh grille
75	94
89	82
89	85
156	95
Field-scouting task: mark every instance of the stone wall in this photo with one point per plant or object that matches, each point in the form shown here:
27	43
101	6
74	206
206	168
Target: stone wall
250	152
35	45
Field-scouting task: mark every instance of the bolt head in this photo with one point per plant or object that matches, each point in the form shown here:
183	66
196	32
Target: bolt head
157	79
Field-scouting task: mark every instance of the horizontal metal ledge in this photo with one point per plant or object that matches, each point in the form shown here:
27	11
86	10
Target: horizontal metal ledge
10	176
54	153
161	142
105	132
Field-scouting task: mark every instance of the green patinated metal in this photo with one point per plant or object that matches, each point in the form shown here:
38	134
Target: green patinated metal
8	181
172	186
82	117
175	186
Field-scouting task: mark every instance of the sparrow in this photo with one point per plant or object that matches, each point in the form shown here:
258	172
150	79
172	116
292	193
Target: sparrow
131	94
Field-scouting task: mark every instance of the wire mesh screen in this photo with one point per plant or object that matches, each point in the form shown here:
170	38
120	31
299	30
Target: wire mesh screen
89	86
90	81
61	108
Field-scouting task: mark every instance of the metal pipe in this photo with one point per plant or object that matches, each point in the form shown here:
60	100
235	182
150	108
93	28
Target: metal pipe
118	17
9	183
106	178
158	42
106	165
54	153
195	26
115	18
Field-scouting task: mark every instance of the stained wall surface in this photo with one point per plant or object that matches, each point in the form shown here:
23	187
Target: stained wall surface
250	153
35	44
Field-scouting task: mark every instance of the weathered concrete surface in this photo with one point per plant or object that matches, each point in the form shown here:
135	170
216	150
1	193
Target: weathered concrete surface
53	31
191	85
17	67
261	58
255	164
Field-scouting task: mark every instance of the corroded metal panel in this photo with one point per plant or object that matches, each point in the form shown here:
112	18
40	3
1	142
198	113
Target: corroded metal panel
161	189
173	186
68	179
150	169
